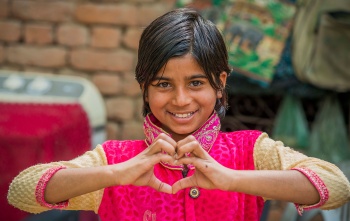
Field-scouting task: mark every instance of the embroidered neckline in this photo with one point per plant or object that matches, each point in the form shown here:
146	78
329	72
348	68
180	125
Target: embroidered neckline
205	135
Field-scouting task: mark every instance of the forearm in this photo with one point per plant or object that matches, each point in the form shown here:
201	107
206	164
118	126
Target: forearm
332	185
27	190
290	185
73	182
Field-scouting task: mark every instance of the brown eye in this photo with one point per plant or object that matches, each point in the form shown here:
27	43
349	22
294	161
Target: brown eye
163	84
196	83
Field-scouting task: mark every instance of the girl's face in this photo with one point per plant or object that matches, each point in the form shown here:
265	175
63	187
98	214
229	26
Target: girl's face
181	97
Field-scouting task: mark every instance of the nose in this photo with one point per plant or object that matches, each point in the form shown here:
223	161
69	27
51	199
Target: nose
182	97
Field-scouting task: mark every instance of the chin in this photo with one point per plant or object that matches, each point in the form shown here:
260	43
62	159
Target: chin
183	133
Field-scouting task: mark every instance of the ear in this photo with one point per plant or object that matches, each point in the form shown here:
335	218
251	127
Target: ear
223	78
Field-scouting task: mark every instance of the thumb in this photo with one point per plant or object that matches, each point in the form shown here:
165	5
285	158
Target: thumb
160	186
182	184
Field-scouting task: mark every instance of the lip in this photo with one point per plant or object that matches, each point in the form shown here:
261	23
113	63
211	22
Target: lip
182	119
178	114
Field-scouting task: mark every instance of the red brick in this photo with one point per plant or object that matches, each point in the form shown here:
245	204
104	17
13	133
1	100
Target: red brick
103	37
41	70
10	31
140	1
133	130
45	11
139	108
72	35
170	3
2	54
113	131
120	108
148	12
132	37
42	57
108	84
70	72
40	34
119	14
4	9
85	59
130	86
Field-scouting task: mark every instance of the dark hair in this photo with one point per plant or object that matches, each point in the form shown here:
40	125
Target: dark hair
176	34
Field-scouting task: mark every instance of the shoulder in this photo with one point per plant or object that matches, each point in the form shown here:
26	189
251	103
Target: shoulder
113	144
242	140
241	137
236	149
121	150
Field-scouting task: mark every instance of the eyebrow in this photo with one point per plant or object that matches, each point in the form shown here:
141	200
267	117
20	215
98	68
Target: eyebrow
195	76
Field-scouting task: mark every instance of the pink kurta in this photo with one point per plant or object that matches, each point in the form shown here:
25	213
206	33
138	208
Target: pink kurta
233	150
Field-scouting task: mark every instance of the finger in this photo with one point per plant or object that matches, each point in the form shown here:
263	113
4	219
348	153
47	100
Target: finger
195	161
193	147
186	140
182	184
167	138
161	157
160	186
163	144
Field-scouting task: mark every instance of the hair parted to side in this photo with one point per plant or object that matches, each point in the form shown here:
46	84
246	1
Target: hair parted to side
175	34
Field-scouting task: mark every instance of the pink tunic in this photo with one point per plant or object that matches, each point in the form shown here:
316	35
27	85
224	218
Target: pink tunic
233	150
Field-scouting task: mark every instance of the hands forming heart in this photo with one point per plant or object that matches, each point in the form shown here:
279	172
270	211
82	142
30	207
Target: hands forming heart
209	174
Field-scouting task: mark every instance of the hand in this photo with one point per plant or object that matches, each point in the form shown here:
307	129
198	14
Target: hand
209	173
139	170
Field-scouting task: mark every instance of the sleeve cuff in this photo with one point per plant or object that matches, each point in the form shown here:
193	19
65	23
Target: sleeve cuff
318	184
41	186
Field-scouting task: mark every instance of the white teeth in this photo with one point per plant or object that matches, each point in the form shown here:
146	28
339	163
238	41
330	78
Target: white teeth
183	115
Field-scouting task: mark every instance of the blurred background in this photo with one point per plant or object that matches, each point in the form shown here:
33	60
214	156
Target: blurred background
67	80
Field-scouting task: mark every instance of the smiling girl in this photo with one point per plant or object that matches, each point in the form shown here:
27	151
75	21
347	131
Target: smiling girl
185	169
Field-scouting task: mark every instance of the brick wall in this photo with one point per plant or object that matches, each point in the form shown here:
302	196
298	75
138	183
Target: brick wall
95	39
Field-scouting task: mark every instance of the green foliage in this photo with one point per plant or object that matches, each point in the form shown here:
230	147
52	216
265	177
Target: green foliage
219	2
250	61
279	12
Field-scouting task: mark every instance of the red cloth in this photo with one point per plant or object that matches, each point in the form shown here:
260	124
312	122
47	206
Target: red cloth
37	133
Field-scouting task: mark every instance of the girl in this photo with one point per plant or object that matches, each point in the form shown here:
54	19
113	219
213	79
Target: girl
185	169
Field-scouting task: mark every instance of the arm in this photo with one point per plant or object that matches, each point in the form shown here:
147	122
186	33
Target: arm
287	185
81	182
332	185
76	182
27	190
137	171
281	174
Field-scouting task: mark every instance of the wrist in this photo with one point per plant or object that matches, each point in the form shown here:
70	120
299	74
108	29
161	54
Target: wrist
113	174
233	180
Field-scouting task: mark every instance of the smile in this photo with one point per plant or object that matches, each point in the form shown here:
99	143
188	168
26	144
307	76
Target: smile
186	115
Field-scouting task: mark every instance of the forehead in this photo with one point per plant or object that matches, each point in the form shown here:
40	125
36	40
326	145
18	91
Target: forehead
184	65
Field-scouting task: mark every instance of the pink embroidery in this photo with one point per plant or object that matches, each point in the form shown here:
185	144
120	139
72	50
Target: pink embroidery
149	216
207	134
40	189
318	184
151	129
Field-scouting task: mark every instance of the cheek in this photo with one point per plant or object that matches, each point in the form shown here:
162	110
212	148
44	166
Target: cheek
156	100
207	99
